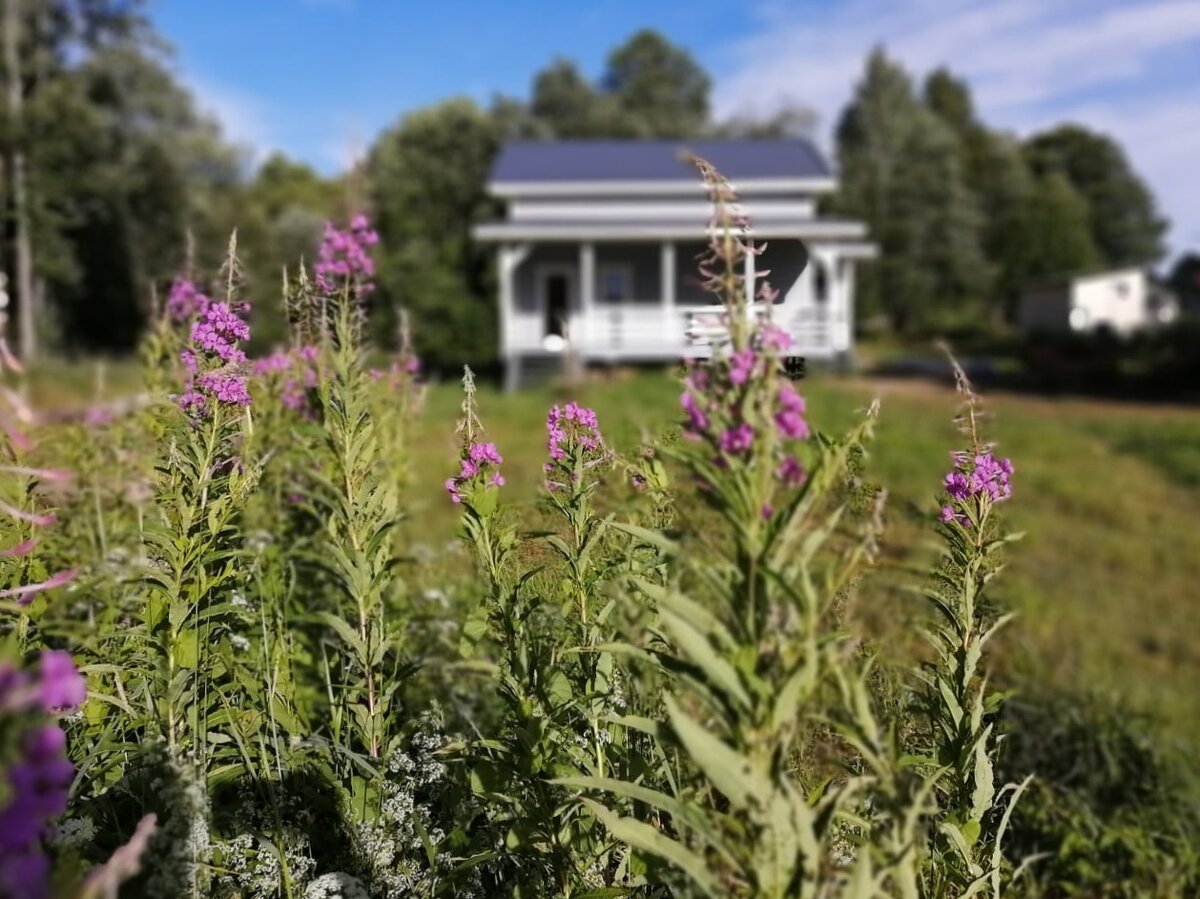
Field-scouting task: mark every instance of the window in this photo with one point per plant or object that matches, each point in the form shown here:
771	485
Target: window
616	284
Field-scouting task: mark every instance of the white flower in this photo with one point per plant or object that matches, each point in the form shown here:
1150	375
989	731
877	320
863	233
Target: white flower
336	886
75	833
240	643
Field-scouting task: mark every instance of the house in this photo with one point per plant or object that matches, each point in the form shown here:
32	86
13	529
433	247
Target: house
597	252
1122	302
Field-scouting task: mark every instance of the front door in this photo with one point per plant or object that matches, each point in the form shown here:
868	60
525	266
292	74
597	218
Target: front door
557	292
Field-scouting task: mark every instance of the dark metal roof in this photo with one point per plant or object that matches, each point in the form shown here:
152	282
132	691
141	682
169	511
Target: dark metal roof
656	160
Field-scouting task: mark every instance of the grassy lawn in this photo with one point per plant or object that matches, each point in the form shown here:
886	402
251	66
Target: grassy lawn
1107	582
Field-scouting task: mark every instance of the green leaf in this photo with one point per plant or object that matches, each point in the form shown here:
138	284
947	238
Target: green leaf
985	790
694	816
693	644
727	770
643	836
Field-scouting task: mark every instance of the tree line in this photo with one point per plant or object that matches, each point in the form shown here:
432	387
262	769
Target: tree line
127	182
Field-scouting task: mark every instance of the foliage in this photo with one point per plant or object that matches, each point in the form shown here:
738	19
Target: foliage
942	192
1124	223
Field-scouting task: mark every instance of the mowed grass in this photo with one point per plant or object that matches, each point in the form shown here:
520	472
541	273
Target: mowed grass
1106	584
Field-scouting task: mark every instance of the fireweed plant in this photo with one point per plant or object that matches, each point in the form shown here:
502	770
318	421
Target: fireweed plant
38	687
759	666
542	633
955	704
649	685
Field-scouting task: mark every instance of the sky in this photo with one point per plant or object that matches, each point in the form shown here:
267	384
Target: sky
318	79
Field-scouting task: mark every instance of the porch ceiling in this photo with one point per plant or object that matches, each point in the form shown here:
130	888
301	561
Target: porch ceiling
664	229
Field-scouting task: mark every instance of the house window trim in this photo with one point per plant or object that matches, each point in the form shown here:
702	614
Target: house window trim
622	268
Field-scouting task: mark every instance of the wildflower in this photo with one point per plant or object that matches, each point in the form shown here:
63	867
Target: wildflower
218	331
790	417
790	472
474	471
185	300
343	257
773	338
741	366
214	362
574	443
292	373
975	475
62	687
737	439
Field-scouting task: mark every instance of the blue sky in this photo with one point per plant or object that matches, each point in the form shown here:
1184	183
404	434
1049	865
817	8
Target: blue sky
319	78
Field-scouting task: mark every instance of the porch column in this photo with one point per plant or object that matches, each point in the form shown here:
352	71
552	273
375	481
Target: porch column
508	258
847	285
748	273
587	291
667	289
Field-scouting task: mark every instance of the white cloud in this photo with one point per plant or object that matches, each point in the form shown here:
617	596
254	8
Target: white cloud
245	119
1030	63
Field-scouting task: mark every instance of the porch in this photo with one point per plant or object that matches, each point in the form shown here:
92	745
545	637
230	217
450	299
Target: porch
628	300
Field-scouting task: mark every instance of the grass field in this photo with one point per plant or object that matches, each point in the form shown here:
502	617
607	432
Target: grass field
1107	583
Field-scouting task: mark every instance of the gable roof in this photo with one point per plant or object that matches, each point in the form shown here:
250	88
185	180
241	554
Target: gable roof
599	161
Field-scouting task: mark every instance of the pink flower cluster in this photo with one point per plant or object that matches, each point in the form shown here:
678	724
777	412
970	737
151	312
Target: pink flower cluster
975	475
185	300
740	407
344	256
57	685
715	397
23	594
574	442
294	373
475	469
39	780
214	361
405	367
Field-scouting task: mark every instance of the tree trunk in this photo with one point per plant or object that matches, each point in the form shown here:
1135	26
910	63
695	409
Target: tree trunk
16	168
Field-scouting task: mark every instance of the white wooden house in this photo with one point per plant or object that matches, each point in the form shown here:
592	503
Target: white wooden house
601	237
1123	301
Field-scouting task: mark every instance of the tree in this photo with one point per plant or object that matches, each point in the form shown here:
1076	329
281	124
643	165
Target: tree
950	99
1054	237
902	172
1185	281
568	106
659	89
790	120
1125	223
427	178
997	174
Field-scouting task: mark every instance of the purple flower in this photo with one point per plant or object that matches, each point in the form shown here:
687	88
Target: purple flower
39	782
774	339
975	475
185	300
741	366
343	257
214	361
62	687
791	472
738	439
790	418
475	468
